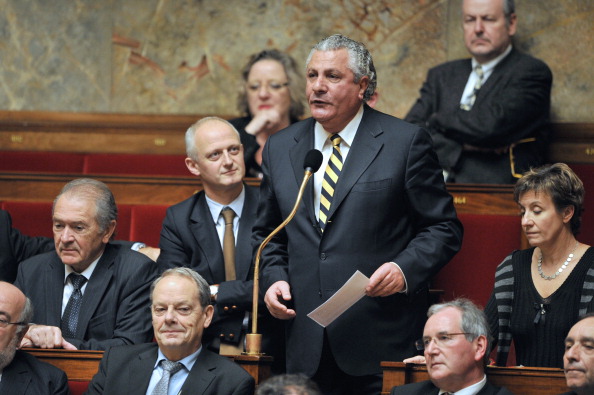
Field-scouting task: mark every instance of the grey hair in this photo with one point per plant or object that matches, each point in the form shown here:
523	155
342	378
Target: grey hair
474	321
360	60
201	284
26	317
190	136
509	8
88	188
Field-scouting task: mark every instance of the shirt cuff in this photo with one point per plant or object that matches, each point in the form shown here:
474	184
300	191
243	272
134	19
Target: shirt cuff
405	290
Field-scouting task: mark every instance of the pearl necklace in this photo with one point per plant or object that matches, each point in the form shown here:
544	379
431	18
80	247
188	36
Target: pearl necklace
563	267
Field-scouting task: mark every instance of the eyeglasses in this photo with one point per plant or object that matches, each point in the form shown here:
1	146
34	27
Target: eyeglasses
271	86
4	323
441	340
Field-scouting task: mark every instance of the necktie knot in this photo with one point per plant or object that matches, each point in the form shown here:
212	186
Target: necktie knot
171	367
479	71
336	140
77	280
228	214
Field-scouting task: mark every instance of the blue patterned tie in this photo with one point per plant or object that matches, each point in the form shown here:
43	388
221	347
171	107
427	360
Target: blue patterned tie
70	317
330	179
169	369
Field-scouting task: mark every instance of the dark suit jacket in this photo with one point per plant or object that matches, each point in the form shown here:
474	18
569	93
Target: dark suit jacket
189	238
427	388
390	205
127	371
513	104
115	307
26	375
16	247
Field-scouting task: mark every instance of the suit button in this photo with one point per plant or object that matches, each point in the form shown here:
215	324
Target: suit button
323	256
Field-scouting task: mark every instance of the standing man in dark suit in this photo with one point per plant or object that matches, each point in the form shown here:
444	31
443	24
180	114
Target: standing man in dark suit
181	310
390	217
488	115
578	361
194	231
20	372
457	343
89	294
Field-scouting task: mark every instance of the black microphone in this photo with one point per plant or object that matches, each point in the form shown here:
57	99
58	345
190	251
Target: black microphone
311	164
313	160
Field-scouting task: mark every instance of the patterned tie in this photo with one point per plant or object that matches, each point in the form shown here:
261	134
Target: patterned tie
330	179
229	244
169	369
70	316
478	70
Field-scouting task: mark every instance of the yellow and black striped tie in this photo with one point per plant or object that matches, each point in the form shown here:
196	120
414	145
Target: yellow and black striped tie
478	70
330	179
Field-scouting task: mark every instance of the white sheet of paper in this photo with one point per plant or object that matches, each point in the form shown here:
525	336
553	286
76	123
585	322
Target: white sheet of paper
345	297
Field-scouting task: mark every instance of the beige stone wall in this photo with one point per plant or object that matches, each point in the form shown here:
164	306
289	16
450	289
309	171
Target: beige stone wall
184	56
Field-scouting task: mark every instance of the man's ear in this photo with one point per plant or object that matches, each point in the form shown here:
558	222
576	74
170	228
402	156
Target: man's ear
209	312
481	347
363	84
193	167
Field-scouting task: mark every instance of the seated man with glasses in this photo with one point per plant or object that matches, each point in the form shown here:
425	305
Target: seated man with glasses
456	343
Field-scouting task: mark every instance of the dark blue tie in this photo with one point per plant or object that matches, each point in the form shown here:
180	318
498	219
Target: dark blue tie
70	317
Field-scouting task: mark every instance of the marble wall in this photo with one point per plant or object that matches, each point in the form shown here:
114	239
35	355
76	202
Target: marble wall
184	56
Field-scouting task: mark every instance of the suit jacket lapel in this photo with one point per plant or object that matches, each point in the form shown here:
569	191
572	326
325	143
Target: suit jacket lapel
502	70
15	378
201	374
206	236
54	289
304	141
363	151
243	249
95	289
142	370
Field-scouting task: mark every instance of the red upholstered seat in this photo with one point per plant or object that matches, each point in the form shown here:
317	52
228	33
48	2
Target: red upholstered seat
31	218
146	222
77	387
42	162
488	239
161	165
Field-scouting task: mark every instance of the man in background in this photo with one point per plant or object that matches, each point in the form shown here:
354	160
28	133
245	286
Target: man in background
488	115
89	294
578	361
456	342
210	232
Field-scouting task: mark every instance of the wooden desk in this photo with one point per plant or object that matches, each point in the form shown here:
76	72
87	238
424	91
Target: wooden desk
82	365
521	381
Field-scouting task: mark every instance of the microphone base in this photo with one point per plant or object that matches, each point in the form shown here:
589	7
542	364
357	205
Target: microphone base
253	344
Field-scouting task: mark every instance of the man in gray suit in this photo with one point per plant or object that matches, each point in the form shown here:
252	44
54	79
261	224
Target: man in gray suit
20	372
456	342
177	363
489	115
390	218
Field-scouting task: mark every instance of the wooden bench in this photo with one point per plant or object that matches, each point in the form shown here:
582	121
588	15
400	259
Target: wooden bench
519	380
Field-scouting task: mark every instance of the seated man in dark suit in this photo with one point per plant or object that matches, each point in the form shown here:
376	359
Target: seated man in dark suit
456	342
89	294
20	372
489	115
177	363
578	360
194	235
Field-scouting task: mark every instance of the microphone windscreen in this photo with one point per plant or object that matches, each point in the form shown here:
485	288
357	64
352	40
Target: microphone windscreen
313	160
